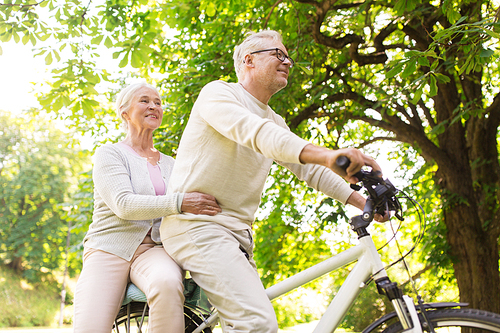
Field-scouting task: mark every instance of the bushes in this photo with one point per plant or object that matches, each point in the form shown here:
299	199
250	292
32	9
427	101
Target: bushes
26	304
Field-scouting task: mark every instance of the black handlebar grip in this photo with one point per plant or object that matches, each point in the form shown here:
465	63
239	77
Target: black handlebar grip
343	162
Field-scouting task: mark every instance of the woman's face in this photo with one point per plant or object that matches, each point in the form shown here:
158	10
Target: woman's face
145	110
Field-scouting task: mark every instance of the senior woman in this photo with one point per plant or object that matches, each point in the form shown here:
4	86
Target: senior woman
123	241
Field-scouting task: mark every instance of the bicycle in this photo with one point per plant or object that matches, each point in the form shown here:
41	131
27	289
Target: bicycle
135	310
407	316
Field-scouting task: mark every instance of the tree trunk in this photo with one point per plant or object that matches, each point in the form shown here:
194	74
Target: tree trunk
473	247
475	259
16	264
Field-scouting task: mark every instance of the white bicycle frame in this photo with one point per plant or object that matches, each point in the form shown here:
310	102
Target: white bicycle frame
369	263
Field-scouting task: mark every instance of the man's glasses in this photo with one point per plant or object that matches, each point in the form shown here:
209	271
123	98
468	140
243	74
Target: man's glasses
279	54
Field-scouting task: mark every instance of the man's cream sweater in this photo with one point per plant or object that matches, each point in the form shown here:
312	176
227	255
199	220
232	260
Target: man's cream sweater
227	149
126	206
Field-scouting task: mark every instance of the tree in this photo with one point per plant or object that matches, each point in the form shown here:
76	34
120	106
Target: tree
421	73
38	165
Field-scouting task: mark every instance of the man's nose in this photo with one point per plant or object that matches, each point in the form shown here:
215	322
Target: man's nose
288	62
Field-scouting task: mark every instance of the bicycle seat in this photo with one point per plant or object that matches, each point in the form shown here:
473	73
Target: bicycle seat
192	292
133	294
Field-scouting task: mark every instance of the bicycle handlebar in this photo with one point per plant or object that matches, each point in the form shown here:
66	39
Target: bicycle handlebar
381	192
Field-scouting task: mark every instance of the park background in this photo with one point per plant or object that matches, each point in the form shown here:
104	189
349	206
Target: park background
412	83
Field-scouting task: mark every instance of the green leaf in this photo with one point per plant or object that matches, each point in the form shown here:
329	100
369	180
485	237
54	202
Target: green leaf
453	16
48	59
410	68
88	110
26	38
443	34
97	40
492	33
136	59
66	101
124	61
442	78
417	95
433	86
56	54
439	128
306	69
44	37
423	61
77	107
211	10
1	51
395	70
461	19
57	104
5	37
486	53
108	43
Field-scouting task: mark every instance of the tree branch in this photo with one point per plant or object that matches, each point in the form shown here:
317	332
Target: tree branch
403	131
493	111
377	138
416	276
271	12
322	8
427	113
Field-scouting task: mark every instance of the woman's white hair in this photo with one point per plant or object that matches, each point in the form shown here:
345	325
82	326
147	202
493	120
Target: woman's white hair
125	97
253	42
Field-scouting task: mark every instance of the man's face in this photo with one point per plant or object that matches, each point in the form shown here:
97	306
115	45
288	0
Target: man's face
270	72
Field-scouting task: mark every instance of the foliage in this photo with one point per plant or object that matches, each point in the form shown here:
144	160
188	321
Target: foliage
37	171
421	73
78	214
290	312
290	230
368	306
26	304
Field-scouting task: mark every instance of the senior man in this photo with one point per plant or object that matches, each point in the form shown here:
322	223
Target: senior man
227	149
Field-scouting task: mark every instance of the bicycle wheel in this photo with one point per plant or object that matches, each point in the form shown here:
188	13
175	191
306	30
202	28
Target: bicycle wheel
456	321
138	319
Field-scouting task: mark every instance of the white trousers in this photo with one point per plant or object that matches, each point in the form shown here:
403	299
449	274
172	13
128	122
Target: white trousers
216	258
101	287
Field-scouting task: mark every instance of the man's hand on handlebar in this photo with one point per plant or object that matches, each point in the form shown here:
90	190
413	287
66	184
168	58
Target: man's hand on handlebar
379	218
357	161
328	157
358	201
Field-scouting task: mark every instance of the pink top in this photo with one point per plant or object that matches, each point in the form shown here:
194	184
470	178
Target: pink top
154	173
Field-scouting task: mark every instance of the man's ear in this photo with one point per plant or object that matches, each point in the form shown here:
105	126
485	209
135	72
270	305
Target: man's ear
248	60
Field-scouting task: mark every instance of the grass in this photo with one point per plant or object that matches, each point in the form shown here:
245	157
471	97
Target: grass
26	305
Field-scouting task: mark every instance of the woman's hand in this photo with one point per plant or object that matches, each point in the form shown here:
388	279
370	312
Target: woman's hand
200	203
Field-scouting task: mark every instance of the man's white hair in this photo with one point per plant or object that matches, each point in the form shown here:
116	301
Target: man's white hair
253	42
